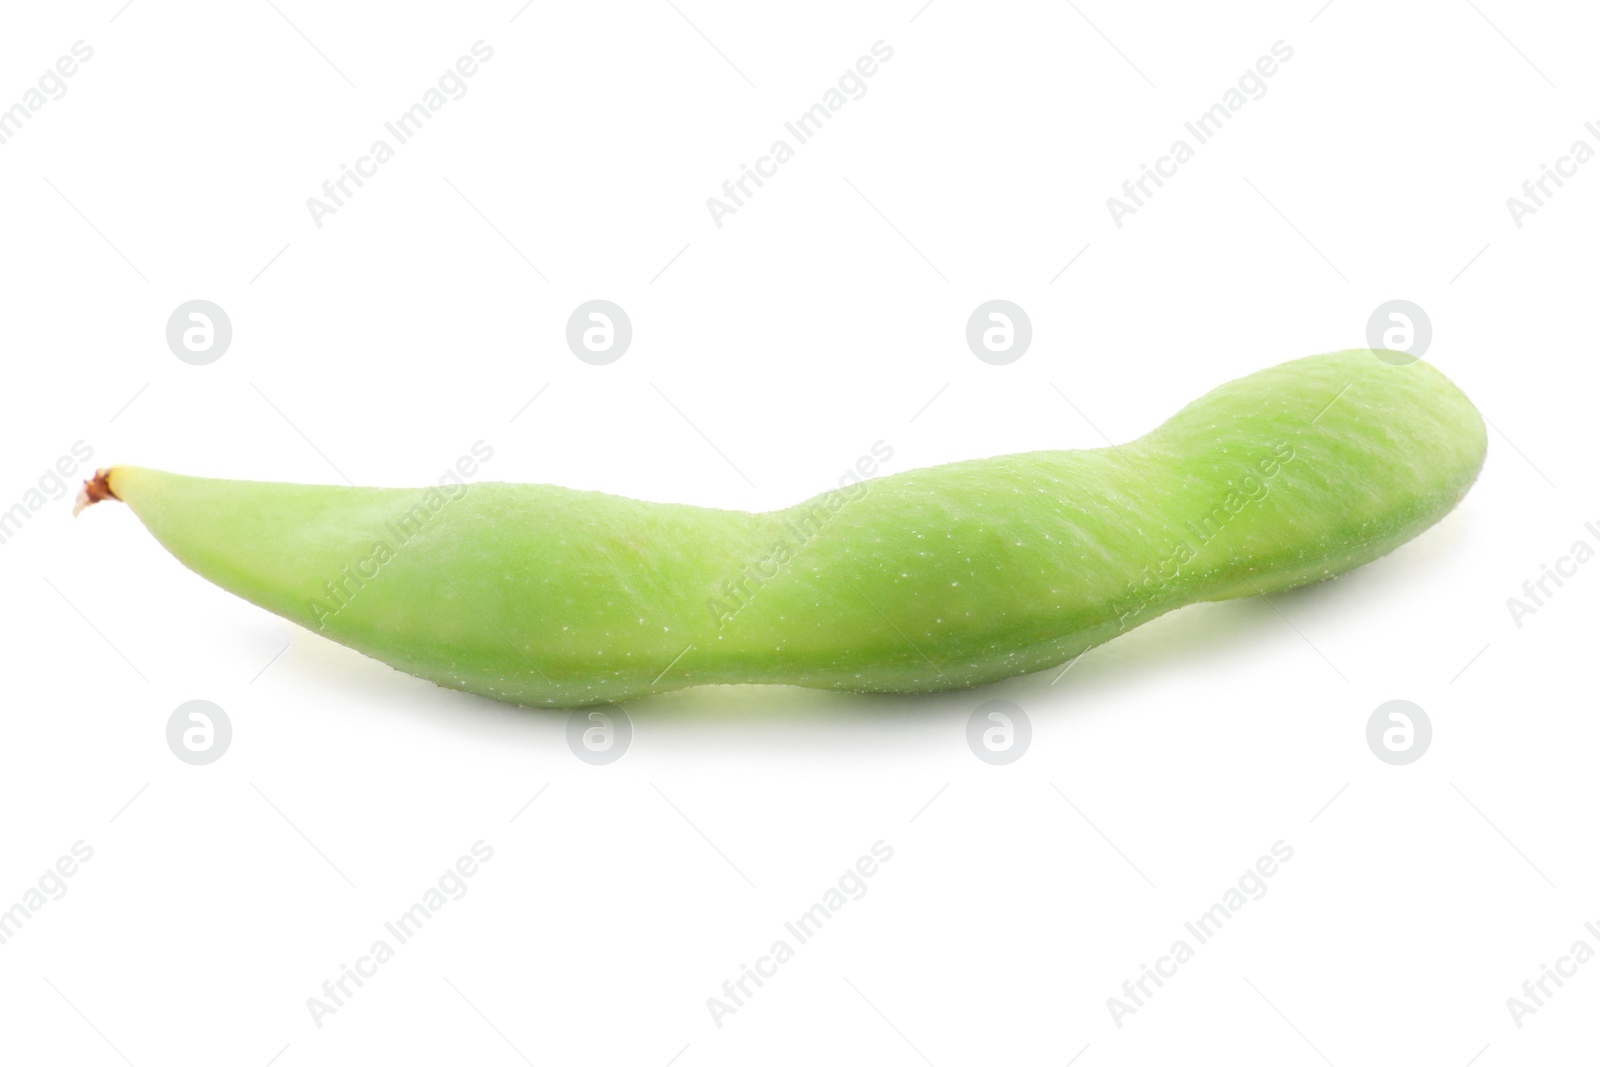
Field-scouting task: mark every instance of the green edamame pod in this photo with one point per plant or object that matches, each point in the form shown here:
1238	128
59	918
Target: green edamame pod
933	579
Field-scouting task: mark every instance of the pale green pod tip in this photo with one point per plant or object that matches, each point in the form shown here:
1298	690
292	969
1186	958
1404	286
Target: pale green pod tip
933	579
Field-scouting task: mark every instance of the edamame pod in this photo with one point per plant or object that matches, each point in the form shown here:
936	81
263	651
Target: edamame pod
934	579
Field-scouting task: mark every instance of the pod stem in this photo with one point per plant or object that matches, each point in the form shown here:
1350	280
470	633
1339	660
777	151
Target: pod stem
95	490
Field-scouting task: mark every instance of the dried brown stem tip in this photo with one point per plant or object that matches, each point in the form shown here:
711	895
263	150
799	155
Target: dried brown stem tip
95	490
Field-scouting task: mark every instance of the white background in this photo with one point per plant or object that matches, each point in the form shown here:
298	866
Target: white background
826	315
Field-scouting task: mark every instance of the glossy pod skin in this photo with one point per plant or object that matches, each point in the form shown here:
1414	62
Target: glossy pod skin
934	579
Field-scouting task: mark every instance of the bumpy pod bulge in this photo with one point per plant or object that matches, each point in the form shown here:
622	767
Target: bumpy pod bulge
933	579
